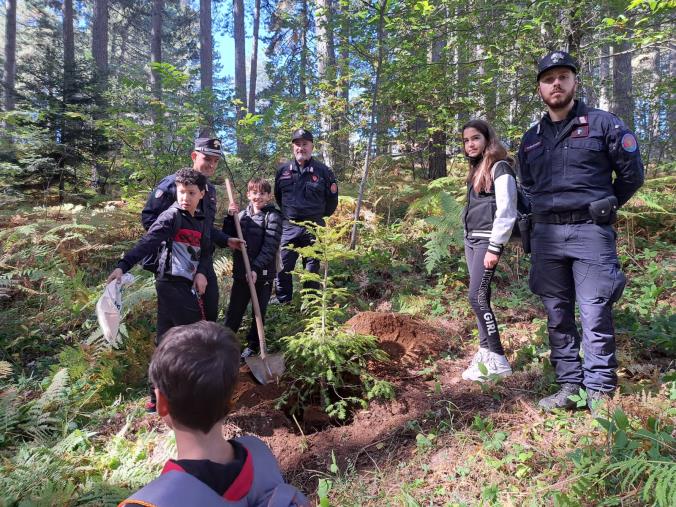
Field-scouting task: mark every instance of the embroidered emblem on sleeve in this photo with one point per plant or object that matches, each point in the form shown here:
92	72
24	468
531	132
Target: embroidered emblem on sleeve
159	193
629	143
334	188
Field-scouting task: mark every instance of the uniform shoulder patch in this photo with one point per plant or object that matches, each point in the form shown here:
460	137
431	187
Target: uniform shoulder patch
159	193
629	143
334	188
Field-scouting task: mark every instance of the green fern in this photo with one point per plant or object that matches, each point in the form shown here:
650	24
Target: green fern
446	231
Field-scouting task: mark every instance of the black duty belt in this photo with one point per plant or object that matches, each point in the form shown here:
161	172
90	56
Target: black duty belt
564	217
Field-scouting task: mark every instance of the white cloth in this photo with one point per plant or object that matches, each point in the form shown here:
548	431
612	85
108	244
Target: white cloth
109	307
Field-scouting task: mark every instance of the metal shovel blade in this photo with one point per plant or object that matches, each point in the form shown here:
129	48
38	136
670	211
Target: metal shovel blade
268	369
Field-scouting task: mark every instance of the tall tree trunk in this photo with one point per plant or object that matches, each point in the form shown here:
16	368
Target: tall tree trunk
302	73
206	46
326	66
68	85
374	107
68	51
100	41
342	144
437	142
253	71
6	141
100	53
604	78
623	99
156	47
240	65
10	55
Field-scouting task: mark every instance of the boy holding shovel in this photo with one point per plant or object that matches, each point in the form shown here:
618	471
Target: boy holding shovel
261	224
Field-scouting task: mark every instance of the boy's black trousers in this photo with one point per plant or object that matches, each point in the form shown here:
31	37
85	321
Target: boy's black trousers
239	300
177	305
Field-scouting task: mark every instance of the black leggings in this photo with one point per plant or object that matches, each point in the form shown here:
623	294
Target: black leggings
480	295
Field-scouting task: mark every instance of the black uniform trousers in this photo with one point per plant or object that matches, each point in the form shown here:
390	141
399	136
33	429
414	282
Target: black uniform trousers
295	236
239	300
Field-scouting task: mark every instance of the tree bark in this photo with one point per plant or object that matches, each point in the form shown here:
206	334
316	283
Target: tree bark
206	46
68	51
437	142
99	174
374	107
240	65
326	67
604	77
10	55
100	41
623	100
302	73
342	144
156	47
253	71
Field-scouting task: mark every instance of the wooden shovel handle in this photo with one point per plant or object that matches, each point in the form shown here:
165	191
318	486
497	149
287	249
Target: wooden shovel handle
252	286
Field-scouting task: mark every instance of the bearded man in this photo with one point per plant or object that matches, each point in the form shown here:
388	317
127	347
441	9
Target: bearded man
567	161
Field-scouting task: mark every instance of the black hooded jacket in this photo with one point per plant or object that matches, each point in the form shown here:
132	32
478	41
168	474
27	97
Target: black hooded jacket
262	232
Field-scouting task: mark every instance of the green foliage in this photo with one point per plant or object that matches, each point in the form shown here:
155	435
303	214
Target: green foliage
638	457
326	364
441	206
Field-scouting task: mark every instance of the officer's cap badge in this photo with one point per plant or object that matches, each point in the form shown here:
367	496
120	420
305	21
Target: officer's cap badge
556	57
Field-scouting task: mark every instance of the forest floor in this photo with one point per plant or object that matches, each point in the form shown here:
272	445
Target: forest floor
72	408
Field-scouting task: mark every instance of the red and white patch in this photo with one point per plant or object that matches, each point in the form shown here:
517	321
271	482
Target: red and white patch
188	237
629	143
315	178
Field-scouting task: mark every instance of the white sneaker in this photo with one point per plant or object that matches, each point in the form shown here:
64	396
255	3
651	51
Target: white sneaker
473	372
498	365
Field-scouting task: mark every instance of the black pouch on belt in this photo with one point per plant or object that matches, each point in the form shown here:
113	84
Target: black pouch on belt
604	211
523	224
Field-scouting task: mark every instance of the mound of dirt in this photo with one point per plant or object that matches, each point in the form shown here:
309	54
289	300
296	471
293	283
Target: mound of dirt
404	338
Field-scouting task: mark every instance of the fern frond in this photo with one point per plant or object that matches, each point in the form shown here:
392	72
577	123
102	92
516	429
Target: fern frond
5	369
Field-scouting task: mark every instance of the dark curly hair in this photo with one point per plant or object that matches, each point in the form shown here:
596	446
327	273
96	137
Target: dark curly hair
188	176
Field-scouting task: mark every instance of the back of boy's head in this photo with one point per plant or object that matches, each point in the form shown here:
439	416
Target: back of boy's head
188	176
195	367
259	185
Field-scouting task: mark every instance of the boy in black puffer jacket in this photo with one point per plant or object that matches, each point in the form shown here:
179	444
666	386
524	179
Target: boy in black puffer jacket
261	224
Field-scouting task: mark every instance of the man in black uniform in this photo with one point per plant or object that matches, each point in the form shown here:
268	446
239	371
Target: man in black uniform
205	157
567	161
305	190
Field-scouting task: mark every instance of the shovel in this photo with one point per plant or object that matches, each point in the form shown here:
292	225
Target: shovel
268	367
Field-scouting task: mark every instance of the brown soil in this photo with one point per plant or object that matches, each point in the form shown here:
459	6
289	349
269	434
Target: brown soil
405	339
309	444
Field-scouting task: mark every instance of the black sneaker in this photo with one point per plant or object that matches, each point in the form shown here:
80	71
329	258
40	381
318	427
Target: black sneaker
560	399
247	352
597	401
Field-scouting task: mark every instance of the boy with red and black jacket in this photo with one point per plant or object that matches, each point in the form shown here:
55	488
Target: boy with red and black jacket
185	254
195	370
261	224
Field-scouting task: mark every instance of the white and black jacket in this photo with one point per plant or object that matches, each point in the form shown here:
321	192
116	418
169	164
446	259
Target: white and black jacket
492	215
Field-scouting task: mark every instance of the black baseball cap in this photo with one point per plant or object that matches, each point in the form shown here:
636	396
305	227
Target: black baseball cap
556	59
209	146
302	134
